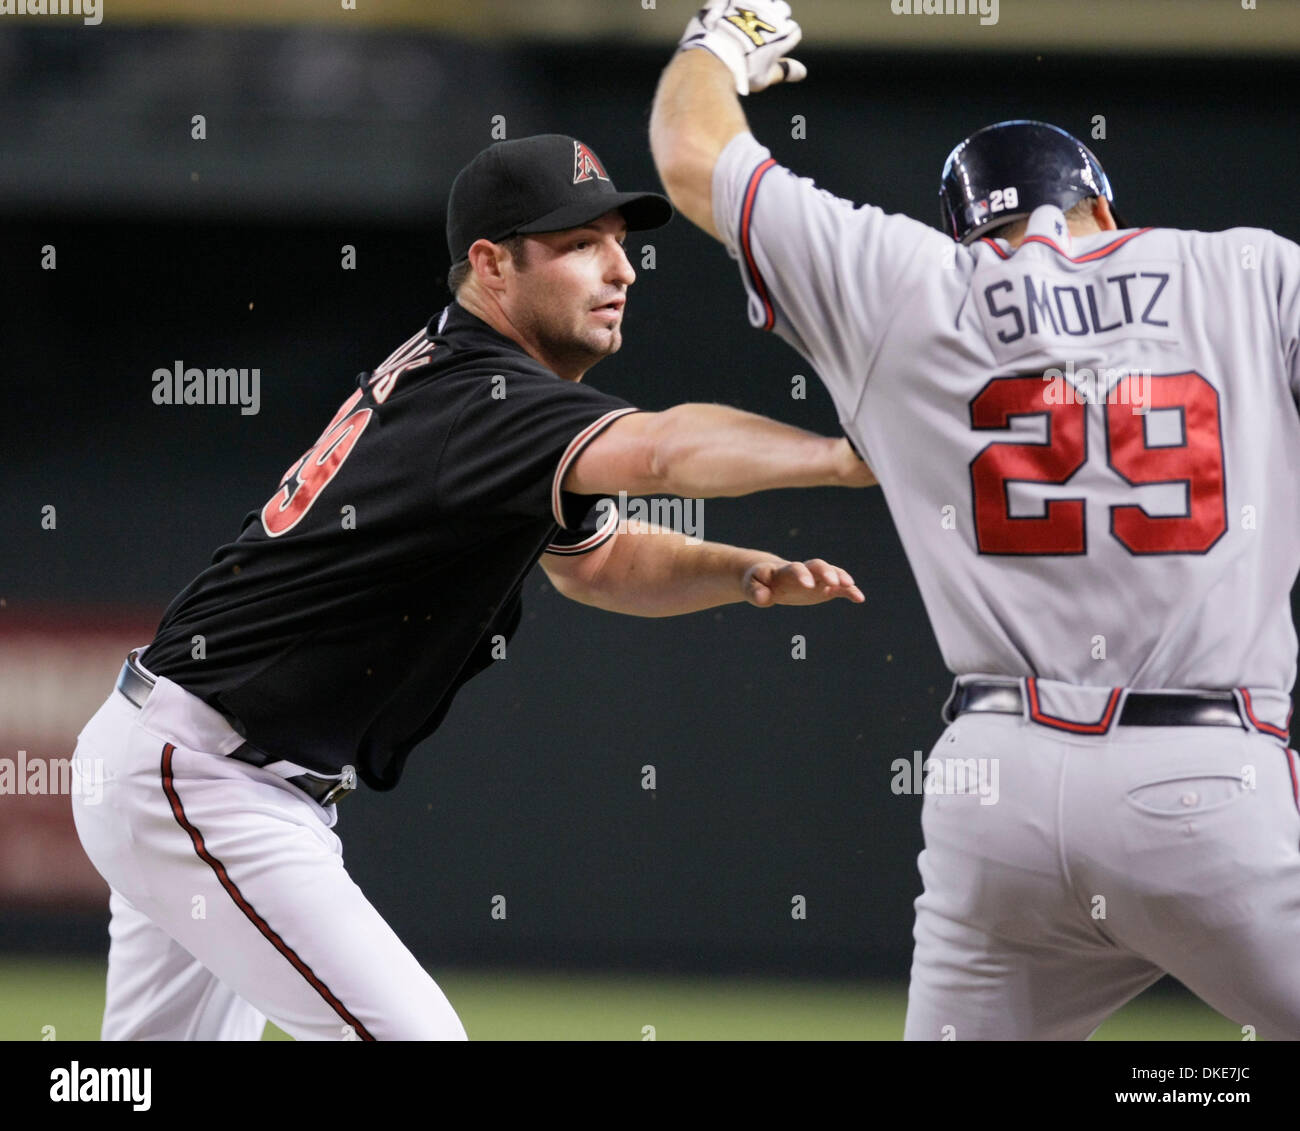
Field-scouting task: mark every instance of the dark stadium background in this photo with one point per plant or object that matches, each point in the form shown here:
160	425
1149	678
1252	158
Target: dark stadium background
773	774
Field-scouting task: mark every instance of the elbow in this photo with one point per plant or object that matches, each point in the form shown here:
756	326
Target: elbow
566	586
680	176
679	460
685	167
582	587
662	454
673	168
688	180
584	578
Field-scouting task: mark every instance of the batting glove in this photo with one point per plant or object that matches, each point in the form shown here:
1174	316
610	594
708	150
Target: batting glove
751	38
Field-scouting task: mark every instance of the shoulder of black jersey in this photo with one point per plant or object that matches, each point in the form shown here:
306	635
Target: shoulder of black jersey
471	344
461	330
486	361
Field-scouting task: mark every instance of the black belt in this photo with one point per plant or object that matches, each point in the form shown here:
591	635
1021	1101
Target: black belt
1140	708
136	684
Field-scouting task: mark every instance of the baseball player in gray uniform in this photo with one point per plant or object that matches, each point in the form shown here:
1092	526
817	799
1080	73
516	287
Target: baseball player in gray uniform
1089	441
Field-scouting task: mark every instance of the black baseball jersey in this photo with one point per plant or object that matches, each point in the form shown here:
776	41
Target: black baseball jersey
370	587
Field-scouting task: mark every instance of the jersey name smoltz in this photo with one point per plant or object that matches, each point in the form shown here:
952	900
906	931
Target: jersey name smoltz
1043	306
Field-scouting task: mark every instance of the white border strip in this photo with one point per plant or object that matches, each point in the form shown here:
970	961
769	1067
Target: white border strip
580	441
602	535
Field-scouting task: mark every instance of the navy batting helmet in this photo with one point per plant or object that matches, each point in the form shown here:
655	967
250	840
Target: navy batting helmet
1004	171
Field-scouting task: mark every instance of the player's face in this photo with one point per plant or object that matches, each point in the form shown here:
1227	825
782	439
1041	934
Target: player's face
567	298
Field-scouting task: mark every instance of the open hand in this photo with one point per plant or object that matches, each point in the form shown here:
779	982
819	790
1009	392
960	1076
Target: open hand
798	583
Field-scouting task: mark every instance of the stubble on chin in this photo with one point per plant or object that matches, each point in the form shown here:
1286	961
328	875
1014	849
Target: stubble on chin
614	337
572	345
585	349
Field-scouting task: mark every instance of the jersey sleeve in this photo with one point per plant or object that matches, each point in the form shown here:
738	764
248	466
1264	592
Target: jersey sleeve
1287	283
599	525
821	272
514	439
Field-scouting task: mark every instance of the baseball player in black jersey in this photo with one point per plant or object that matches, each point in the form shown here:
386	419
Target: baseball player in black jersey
331	636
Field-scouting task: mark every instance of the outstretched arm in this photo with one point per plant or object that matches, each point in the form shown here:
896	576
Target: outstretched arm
709	450
650	572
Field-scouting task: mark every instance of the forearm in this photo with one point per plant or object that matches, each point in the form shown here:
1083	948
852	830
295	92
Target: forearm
696	113
651	572
706	451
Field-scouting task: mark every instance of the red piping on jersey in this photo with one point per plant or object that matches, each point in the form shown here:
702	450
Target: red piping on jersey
1291	757
1100	253
580	441
601	536
1040	716
1267	728
232	889
746	214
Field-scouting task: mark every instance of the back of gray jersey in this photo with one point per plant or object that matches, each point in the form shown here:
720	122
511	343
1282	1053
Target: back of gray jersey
1090	446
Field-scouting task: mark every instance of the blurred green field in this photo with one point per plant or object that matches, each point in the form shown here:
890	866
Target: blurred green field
69	995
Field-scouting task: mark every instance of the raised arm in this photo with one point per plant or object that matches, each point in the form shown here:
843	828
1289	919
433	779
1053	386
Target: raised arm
705	451
696	113
729	49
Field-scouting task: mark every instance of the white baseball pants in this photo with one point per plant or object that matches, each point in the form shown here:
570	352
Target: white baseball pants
230	902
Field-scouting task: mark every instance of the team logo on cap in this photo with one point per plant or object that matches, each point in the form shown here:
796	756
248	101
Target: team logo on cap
586	165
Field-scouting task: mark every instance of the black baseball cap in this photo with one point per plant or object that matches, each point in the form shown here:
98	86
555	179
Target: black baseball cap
544	183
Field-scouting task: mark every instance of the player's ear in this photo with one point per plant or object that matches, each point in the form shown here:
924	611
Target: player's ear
486	260
1102	214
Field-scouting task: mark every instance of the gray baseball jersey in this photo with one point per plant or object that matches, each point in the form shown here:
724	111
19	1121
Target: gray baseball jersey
1090	447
